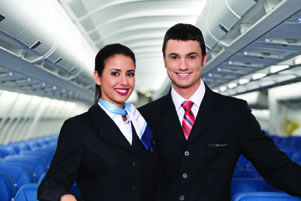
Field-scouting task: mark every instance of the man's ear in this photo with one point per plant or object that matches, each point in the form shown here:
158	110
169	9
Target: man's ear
204	60
164	61
97	78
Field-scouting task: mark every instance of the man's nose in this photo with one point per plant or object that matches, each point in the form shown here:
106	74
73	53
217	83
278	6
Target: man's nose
182	64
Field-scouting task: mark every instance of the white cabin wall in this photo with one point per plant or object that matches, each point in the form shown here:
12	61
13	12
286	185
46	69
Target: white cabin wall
280	112
285	107
263	118
25	116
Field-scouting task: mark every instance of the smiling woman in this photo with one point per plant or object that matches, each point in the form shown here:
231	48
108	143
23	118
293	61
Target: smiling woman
100	149
117	80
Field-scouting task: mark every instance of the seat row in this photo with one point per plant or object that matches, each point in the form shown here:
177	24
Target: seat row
24	162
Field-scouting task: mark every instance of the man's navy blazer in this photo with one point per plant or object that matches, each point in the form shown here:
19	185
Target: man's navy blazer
92	150
201	168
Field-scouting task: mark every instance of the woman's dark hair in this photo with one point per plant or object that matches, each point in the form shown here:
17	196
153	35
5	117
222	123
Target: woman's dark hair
184	32
101	57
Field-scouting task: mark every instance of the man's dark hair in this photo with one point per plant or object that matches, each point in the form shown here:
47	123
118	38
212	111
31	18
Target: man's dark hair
184	32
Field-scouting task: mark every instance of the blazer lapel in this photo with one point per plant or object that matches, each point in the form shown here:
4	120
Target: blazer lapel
106	128
171	121
204	117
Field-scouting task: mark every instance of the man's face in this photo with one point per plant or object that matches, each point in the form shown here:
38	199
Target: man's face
184	61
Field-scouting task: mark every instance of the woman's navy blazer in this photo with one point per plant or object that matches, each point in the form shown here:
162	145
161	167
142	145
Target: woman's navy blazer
92	150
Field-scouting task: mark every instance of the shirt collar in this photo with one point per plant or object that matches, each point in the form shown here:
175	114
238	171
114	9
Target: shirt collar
112	115
196	98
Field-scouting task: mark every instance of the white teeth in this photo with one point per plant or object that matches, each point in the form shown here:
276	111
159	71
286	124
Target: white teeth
122	91
183	74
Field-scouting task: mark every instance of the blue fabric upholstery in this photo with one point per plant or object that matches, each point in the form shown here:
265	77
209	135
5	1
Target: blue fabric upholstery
245	173
250	185
5	189
6	150
37	164
20	174
265	196
28	192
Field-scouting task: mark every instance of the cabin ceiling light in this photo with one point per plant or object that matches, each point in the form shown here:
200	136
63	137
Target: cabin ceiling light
243	81
257	76
223	88
232	85
276	68
297	60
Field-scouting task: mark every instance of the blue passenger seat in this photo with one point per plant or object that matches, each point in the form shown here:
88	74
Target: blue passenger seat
6	192
27	192
265	196
244	185
37	164
19	173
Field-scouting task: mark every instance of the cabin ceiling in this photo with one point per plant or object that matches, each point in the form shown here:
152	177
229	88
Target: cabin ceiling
251	44
262	50
243	37
138	24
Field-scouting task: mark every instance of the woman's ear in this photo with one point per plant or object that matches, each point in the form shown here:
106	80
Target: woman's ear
97	78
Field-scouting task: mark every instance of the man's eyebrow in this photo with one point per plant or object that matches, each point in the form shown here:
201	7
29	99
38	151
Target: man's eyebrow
115	69
172	54
190	53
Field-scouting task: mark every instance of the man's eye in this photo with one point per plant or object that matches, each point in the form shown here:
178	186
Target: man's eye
173	57
115	73
192	57
131	74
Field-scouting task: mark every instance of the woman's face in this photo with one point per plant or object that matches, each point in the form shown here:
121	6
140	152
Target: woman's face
117	80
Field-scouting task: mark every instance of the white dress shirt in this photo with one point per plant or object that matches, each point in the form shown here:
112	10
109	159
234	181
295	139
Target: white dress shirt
124	126
196	98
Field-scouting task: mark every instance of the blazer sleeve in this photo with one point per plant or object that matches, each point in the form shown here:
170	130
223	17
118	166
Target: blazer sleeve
65	164
272	164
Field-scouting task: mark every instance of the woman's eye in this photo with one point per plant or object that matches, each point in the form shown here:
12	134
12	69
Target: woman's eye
115	73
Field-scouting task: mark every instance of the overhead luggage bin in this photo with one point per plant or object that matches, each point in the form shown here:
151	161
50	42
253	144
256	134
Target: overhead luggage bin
26	27
219	17
50	51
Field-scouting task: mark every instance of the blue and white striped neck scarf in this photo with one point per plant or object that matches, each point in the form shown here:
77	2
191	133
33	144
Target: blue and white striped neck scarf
143	130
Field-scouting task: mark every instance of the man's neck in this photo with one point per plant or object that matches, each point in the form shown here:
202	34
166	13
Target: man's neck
186	92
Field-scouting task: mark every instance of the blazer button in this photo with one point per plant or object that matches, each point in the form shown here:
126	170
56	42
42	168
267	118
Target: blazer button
186	153
184	175
134	188
182	198
134	164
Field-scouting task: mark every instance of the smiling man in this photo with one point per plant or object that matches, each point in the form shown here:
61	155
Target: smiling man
201	134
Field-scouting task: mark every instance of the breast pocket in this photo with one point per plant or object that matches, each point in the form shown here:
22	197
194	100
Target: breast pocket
218	145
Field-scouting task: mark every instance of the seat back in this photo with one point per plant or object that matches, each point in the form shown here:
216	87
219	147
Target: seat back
245	173
27	192
6	150
5	189
37	164
245	185
265	196
20	174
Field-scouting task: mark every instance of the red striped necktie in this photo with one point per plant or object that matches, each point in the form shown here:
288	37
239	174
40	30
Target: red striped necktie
188	119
